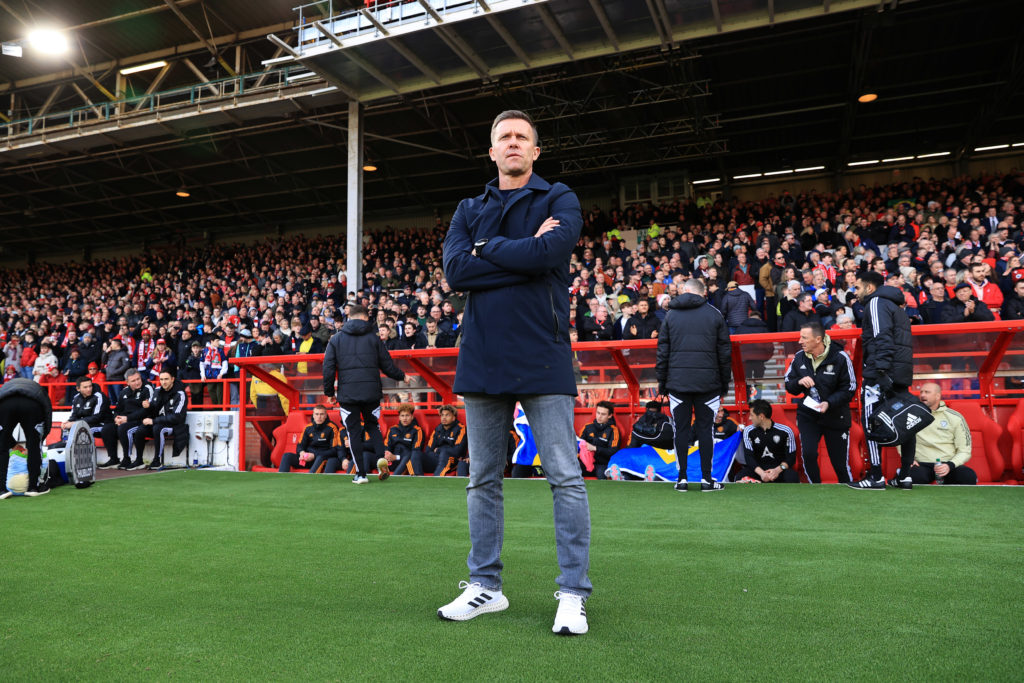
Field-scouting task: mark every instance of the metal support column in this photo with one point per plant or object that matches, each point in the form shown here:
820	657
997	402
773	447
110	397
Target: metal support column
355	197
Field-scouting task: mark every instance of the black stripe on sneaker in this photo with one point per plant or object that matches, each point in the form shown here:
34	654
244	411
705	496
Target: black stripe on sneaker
475	602
485	596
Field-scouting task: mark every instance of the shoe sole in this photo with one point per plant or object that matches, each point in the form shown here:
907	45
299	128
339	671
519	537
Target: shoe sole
5	495
109	467
140	466
497	606
566	631
867	488
359	482
383	472
151	466
703	490
36	494
682	490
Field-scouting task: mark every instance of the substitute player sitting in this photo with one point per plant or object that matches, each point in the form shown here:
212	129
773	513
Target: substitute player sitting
405	441
769	448
321	446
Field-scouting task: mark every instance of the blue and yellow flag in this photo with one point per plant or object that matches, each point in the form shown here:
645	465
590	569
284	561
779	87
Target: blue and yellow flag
635	461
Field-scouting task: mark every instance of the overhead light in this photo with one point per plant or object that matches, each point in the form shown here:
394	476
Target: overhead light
706	180
933	154
143	67
183	193
746	175
1017	144
810	168
863	163
299	77
11	49
990	147
369	168
886	161
48	41
867	97
778	172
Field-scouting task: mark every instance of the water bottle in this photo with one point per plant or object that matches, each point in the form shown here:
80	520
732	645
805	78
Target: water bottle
938	479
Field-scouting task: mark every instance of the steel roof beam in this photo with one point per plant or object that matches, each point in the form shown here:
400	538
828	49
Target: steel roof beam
548	17
414	59
606	25
463	51
509	39
203	39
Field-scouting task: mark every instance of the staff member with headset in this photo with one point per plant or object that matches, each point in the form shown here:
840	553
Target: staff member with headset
823	373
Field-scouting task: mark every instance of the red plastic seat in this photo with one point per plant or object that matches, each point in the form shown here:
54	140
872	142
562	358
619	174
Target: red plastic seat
1015	427
986	437
286	437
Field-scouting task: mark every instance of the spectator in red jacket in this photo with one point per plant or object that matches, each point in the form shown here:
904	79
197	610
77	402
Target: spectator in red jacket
983	290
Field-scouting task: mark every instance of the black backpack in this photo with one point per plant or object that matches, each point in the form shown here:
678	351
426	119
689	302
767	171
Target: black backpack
898	419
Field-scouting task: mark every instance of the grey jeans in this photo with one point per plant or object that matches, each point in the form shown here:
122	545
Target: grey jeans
488	420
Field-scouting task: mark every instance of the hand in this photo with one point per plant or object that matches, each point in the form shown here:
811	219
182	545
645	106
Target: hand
330	400
941	470
632	330
145	404
823	407
120	420
547	226
590	446
147	421
885	383
806	382
65	425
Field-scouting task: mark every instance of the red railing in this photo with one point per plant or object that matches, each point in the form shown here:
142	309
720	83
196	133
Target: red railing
969	360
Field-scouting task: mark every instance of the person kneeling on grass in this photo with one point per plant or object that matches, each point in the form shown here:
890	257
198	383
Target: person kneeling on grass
944	446
320	446
769	448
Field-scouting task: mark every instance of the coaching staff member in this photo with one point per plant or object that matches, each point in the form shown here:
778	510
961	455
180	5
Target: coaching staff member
888	367
356	356
694	366
509	248
822	371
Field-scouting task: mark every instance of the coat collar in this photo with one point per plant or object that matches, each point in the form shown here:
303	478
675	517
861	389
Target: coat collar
534	183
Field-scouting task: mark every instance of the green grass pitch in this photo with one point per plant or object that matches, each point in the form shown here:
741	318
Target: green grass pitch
220	576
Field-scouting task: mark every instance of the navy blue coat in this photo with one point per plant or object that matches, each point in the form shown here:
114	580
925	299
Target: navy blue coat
515	333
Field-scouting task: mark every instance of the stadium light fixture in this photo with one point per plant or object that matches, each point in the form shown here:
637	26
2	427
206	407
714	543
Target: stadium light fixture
778	172
747	175
143	67
810	168
867	97
299	77
1017	144
183	193
706	180
990	148
863	163
48	41
369	168
933	154
892	159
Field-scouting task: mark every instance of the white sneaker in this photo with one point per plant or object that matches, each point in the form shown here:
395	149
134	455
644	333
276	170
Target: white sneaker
475	600
571	618
359	479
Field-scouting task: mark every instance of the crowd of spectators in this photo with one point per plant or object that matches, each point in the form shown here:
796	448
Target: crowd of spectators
952	246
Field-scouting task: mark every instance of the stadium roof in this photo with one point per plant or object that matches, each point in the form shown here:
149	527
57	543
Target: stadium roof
253	128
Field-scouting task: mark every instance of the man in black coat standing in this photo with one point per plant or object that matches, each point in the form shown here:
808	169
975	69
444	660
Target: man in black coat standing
888	367
356	357
694	367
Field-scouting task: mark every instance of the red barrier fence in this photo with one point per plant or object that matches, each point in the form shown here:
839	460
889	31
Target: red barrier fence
971	361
